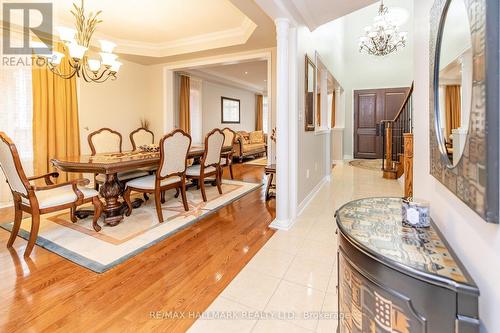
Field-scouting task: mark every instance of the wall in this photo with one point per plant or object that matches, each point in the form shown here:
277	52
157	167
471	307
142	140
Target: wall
369	72
474	241
211	95
119	104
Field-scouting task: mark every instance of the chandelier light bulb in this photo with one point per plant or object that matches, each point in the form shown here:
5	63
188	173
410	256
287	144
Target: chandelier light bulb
108	58
94	65
56	58
77	51
115	67
67	35
107	46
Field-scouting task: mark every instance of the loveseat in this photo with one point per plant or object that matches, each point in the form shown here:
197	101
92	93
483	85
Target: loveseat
249	144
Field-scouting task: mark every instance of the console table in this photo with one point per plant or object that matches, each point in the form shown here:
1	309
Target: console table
398	279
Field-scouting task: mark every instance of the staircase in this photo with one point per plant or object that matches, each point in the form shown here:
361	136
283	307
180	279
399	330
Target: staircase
398	144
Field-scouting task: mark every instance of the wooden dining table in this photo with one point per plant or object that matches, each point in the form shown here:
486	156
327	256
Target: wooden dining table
110	164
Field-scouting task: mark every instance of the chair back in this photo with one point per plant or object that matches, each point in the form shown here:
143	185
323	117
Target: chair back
140	137
105	140
229	136
174	148
213	147
12	167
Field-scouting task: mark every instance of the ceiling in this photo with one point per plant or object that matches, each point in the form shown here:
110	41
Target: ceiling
158	31
250	75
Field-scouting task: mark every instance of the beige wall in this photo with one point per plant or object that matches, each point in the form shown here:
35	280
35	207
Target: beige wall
476	242
120	104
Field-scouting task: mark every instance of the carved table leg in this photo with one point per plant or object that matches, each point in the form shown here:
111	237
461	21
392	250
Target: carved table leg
111	191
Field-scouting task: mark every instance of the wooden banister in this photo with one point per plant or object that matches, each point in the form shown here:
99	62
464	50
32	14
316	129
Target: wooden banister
408	164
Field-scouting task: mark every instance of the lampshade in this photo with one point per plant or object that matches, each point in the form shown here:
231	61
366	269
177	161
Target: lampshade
108	58
94	65
107	46
55	58
76	51
66	34
115	67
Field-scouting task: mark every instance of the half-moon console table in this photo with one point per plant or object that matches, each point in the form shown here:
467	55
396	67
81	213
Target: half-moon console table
398	279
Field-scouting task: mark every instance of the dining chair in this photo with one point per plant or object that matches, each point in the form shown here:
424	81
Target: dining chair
39	200
141	137
209	163
227	158
174	148
106	140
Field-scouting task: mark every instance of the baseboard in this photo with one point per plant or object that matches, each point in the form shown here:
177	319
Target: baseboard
348	157
284	225
312	194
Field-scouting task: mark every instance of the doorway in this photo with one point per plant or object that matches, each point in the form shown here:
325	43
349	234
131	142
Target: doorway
371	106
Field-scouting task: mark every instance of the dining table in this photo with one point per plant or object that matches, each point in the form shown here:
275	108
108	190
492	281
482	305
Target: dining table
110	164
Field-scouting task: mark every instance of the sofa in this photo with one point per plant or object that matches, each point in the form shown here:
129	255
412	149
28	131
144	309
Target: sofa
249	144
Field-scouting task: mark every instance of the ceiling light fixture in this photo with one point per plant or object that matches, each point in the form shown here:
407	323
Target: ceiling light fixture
383	37
77	43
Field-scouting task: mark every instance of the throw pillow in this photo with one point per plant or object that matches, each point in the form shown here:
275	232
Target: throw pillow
257	137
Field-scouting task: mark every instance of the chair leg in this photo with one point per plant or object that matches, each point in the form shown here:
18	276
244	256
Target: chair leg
158	194
218	181
18	217
145	195
162	196
72	215
201	182
35	225
177	192
231	170
183	193
126	197
97	213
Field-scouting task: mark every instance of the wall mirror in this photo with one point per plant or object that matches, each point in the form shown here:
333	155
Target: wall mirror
454	89
310	90
464	108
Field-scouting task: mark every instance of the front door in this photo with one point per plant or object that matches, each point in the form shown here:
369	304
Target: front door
370	108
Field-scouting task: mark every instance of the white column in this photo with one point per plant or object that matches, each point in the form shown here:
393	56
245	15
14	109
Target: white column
282	126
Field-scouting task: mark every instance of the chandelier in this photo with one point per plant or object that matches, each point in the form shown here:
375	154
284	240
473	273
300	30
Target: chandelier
383	37
77	43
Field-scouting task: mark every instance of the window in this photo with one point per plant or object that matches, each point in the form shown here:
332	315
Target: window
16	112
230	110
195	104
265	115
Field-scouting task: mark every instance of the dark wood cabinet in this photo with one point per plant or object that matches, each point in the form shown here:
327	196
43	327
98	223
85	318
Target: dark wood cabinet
398	279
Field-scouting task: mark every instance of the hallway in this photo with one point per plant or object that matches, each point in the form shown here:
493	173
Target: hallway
296	268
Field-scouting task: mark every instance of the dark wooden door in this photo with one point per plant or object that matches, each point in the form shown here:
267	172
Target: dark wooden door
370	108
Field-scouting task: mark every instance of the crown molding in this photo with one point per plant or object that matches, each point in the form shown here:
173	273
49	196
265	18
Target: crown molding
203	42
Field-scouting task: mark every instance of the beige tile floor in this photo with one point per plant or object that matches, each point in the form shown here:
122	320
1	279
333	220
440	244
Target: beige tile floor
290	284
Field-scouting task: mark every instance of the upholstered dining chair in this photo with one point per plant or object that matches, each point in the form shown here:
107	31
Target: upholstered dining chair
39	200
227	157
209	163
140	137
174	148
106	140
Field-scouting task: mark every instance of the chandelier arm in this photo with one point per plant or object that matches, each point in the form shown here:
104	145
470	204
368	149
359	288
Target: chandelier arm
56	71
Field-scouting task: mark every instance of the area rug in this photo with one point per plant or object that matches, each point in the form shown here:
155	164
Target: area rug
258	161
101	251
375	165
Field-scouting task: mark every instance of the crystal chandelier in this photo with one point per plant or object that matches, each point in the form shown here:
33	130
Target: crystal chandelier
383	37
77	43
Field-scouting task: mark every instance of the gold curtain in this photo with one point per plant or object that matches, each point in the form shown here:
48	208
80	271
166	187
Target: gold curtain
260	107
453	104
56	131
333	109
184	108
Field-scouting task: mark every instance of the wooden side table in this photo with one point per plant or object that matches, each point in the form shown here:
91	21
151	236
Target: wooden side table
270	171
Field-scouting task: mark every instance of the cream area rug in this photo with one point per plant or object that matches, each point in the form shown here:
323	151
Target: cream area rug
101	251
375	165
258	161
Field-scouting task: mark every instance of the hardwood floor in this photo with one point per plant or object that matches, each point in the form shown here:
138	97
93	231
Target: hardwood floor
183	273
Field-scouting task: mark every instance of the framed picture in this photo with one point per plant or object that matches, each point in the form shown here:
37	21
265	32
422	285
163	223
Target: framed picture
230	110
309	98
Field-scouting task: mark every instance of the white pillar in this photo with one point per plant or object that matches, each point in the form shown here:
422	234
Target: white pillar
282	125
